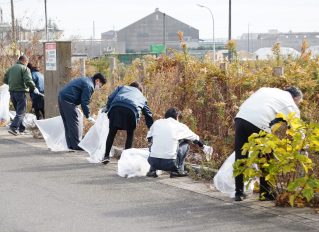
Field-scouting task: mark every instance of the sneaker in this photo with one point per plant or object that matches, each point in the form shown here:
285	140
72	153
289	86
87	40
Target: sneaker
105	161
13	132
238	198
178	174
152	174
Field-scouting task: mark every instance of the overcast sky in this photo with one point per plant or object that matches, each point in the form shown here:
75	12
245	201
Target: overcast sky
76	17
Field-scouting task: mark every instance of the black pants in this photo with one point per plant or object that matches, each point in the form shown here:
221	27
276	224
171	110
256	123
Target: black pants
71	124
39	113
110	140
38	105
243	129
121	118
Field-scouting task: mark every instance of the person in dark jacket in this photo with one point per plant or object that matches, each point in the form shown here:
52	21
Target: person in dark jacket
125	106
19	79
37	100
77	92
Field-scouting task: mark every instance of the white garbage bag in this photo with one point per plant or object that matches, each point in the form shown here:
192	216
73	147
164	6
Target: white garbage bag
133	162
95	139
224	180
29	121
4	103
53	132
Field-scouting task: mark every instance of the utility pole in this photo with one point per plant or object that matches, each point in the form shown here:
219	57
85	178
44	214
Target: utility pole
17	30
248	39
211	13
164	30
93	30
46	20
92	39
229	30
14	38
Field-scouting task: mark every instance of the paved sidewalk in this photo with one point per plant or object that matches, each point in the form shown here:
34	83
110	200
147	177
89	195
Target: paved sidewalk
45	191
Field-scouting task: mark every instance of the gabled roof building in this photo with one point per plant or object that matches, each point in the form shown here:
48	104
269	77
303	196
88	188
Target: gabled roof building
156	28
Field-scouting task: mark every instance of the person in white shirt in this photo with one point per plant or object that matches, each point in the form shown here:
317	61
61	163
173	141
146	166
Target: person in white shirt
258	113
169	144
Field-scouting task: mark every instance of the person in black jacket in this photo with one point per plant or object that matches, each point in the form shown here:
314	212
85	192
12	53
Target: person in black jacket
76	92
124	107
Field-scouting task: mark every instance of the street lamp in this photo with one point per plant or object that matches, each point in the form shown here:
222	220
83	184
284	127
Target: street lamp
214	50
229	29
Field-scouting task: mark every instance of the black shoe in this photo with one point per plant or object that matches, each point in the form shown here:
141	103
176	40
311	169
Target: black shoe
13	132
243	195
152	174
105	161
240	196
178	174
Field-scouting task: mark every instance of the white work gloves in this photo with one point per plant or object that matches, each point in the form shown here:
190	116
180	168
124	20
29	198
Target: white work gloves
91	120
36	91
208	151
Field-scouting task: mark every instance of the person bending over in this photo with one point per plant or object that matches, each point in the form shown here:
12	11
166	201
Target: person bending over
124	108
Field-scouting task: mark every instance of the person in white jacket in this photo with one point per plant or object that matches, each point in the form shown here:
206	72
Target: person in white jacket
257	113
169	144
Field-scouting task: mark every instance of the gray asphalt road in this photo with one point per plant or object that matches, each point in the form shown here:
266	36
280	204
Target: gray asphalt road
45	191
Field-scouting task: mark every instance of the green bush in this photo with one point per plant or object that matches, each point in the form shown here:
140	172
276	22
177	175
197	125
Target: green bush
284	159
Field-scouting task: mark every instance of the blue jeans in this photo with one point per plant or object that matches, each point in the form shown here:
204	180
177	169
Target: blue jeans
171	165
19	101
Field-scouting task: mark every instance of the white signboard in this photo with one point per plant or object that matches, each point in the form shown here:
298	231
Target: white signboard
50	56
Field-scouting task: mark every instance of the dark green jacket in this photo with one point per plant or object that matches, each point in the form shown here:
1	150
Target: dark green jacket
19	78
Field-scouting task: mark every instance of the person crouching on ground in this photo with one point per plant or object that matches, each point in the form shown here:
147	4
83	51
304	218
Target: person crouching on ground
169	144
76	92
124	107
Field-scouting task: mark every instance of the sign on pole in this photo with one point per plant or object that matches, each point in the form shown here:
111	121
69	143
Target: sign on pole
50	56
